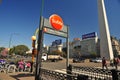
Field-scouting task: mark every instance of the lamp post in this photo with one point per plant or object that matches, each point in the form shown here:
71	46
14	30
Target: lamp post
10	40
34	51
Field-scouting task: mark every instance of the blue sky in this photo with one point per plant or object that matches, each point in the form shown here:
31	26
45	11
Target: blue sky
20	18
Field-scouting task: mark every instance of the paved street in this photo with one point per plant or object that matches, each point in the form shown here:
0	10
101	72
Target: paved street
62	64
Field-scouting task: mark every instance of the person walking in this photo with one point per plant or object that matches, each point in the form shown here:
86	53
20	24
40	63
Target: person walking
111	63
104	63
116	62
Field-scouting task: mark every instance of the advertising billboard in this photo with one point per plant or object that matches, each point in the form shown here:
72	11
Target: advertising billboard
89	35
57	42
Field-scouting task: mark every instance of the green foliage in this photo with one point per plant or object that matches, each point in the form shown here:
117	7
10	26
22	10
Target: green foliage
1	48
20	49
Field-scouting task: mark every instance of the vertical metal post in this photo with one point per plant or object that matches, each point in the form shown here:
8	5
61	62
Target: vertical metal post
67	45
39	47
67	59
39	51
10	40
11	36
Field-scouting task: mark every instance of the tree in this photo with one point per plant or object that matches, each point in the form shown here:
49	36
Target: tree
20	49
3	52
1	49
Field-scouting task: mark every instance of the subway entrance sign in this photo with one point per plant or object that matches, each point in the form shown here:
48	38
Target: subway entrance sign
56	22
54	26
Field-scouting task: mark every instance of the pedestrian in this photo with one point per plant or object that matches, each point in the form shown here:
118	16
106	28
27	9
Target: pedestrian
116	62
20	65
111	63
104	63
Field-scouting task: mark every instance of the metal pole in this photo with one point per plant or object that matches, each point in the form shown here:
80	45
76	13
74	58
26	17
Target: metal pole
67	59
39	51
39	47
10	40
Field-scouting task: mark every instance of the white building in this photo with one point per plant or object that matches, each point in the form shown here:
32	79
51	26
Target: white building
55	48
89	46
85	47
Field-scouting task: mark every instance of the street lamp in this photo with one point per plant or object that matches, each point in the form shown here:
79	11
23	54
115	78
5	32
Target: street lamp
34	51
11	36
33	41
33	45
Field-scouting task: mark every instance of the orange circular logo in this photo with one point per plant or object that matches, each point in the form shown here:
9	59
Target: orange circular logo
56	22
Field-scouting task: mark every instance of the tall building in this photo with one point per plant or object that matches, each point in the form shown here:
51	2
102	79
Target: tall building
89	46
86	46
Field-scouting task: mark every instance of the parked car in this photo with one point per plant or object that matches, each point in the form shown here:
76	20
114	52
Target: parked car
75	60
96	60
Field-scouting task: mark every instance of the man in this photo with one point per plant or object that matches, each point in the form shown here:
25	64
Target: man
116	62
104	63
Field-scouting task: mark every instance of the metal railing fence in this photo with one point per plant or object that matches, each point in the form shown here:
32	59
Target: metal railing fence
53	75
92	73
81	73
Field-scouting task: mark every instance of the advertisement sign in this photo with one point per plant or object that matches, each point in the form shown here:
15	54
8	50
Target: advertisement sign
89	35
55	32
55	26
57	42
56	22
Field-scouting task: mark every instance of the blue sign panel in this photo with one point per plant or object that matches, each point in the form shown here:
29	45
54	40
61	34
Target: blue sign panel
57	42
89	35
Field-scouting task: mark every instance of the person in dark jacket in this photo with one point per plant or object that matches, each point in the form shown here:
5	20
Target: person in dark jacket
104	63
116	62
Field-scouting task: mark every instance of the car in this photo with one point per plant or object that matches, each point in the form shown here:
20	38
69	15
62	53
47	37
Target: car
98	60
75	60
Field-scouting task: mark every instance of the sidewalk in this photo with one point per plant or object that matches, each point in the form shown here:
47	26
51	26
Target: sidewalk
17	76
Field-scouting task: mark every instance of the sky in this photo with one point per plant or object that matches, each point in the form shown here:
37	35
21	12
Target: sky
19	19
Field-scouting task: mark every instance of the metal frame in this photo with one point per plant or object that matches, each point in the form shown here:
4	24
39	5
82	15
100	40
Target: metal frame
40	45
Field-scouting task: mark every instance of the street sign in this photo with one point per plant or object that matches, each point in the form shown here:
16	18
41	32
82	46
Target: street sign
48	25
54	26
55	32
56	22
